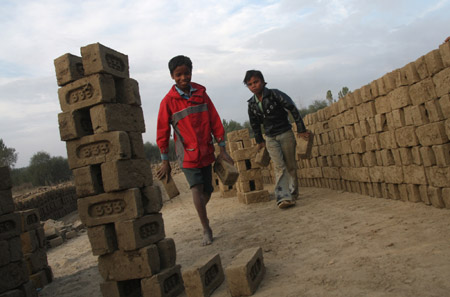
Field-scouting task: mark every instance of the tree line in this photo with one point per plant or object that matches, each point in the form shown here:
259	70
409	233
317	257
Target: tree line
45	170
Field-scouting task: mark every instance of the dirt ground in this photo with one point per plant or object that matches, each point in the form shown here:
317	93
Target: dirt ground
330	244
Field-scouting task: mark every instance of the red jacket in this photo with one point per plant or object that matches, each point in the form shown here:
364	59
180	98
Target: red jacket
194	120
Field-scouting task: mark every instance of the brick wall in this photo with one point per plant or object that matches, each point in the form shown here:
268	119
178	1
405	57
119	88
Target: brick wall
389	138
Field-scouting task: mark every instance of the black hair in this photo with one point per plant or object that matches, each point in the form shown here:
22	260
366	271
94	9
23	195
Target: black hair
253	73
179	61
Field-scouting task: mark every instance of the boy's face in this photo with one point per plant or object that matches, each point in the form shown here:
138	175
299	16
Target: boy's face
182	77
255	85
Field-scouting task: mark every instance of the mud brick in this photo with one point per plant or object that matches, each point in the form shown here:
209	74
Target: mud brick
262	158
427	156
39	279
368	159
372	125
121	265
5	178
74	124
103	239
406	156
392	191
447	128
40	234
366	95
372	142
245	165
376	174
444	103
170	187
226	172
422	92
68	68
167	253
380	122
125	174
237	135
357	98
387	140
250	185
253	197
389	81
438	176
408	115
444	50
117	117
137	145
29	241
398	118
406	136
331	172
366	110
358	145
342	104
349	132
434	62
86	92
403	192
244	154
399	98
431	134
137	233
376	189
245	272
446	197
88	181
110	207
387	157
364	126
413	193
435	196
415	174
151	199
13	275
442	154
167	283
6	202
410	73
54	242
442	82
350	116
397	157
98	58
419	115
10	225
423	190
30	219
127	91
202	278
36	261
127	288
11	250
434	111
251	174
421	67
97	149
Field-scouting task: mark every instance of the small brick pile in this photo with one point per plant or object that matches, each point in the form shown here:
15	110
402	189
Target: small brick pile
14	270
102	123
389	138
250	188
225	190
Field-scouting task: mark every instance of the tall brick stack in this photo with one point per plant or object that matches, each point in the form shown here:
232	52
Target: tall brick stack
14	280
389	138
250	188
102	123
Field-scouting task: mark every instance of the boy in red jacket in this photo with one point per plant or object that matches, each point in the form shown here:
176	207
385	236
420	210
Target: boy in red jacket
191	113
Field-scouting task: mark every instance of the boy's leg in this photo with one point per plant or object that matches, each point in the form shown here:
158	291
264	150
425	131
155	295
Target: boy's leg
200	199
288	146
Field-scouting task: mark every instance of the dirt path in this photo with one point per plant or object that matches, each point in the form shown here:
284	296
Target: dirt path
331	244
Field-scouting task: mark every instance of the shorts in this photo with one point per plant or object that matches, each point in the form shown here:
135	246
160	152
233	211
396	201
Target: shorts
197	176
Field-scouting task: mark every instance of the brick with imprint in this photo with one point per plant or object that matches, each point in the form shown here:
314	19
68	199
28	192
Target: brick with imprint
245	272
121	265
13	275
137	233
102	238
98	58
68	68
10	225
88	180
167	283
86	92
110	207
127	91
203	277
98	148
74	124
117	117
30	219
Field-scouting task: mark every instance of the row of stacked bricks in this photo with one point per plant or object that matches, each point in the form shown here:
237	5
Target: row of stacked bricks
23	260
390	138
102	123
249	186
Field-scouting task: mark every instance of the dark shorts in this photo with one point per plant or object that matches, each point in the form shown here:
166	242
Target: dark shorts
197	176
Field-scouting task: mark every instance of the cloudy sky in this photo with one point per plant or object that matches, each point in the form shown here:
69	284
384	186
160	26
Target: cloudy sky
304	48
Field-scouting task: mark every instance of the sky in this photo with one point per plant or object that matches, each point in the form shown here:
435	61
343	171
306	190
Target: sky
303	48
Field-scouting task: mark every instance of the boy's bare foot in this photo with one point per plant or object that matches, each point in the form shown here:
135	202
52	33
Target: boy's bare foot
207	237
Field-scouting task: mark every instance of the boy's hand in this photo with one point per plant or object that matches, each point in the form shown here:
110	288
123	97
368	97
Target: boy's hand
261	145
164	170
304	135
225	156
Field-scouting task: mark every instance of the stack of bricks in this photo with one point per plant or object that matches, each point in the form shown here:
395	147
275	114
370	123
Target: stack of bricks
14	280
34	248
250	186
390	138
225	191
102	123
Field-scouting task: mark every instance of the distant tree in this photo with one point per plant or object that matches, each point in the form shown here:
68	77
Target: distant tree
47	170
153	153
8	156
329	97
343	92
246	125
231	126
315	106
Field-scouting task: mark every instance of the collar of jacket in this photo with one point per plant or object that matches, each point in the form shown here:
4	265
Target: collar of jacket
266	93
196	96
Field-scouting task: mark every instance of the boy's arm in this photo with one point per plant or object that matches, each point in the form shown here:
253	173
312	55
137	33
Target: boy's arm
162	140
256	126
289	104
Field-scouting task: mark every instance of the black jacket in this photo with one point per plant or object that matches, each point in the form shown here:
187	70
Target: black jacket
274	117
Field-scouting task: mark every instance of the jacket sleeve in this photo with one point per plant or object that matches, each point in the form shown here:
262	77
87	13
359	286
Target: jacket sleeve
216	123
289	104
255	124
163	127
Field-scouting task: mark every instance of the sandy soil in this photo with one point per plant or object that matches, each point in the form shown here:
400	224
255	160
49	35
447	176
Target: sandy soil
330	244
